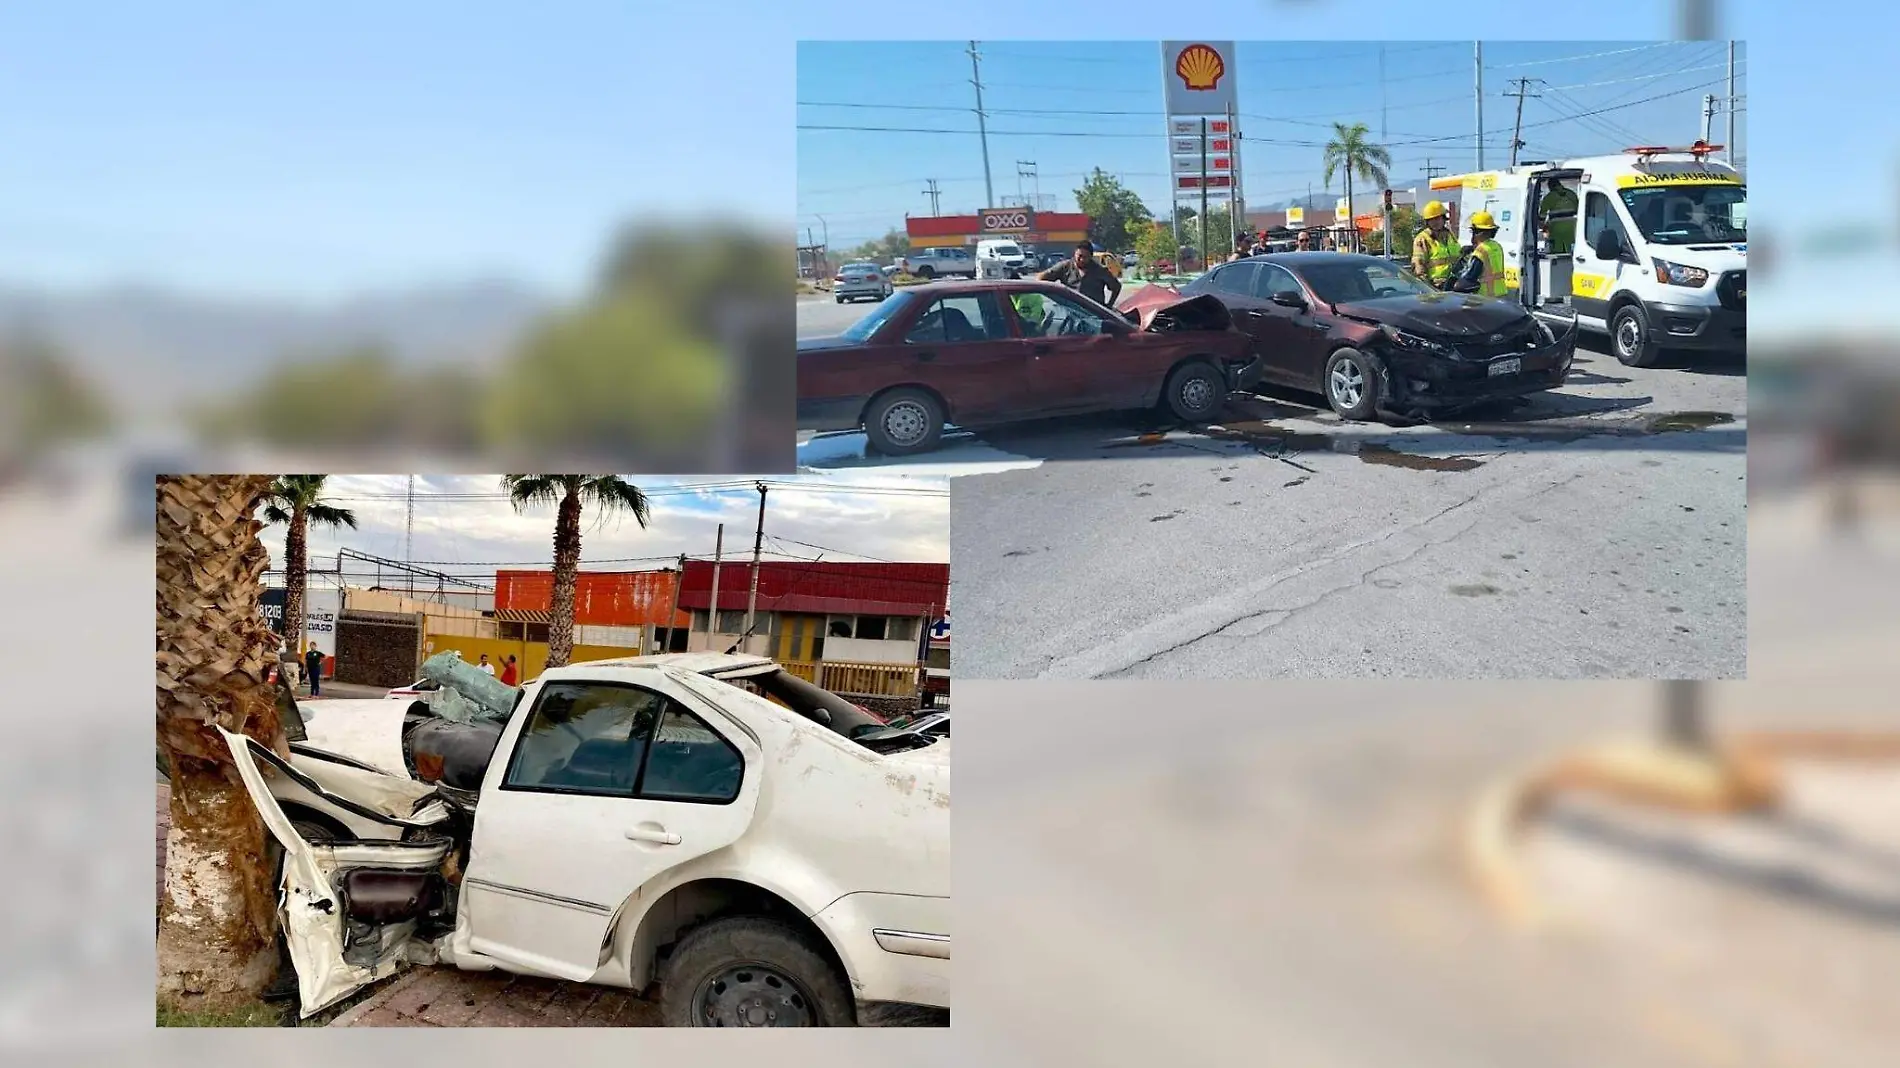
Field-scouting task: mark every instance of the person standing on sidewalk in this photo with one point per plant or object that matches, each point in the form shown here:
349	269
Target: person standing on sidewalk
313	667
486	667
1084	274
510	676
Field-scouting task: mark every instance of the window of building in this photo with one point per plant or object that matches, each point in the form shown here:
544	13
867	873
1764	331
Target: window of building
731	620
900	629
938	658
840	626
871	628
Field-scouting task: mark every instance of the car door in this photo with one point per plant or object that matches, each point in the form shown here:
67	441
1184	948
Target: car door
1233	284
1595	277
1293	341
349	909
961	346
606	786
1081	359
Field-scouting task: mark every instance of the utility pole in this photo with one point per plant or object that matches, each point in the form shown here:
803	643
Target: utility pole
1728	146
982	130
1431	171
1026	168
1203	259
1708	116
1382	94
678	582
933	193
1517	125
1477	69
712	612
758	542
409	534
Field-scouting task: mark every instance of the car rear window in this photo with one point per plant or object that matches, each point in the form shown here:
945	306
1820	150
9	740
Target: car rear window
865	327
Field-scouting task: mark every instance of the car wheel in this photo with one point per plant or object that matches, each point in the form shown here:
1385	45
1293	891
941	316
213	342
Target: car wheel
904	421
1629	337
841	300
1352	386
749	971
926	273
1195	392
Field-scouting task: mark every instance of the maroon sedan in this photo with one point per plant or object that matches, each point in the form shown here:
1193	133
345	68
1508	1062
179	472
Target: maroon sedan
968	354
1374	338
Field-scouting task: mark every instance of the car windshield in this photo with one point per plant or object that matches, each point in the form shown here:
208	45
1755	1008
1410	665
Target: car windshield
865	327
1006	250
1689	214
1360	278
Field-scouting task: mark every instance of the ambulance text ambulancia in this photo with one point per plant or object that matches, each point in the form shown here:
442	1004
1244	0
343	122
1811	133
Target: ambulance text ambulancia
1648	246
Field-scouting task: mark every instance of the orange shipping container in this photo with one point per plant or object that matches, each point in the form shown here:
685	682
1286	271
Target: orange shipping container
601	598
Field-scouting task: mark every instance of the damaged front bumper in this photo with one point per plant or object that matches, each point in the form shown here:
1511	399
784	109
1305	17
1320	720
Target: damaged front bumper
1437	380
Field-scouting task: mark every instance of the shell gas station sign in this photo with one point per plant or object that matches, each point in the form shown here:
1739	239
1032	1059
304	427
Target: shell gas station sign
1198	91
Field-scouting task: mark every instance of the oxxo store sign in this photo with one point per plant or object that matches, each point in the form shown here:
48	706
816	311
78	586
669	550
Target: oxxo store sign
1008	220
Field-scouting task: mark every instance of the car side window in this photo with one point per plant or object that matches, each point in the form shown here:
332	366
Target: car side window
585	738
1276	279
1599	215
957	320
1067	318
1237	279
689	761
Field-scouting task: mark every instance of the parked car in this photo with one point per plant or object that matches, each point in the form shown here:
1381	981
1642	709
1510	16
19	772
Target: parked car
1130	259
1373	338
948	262
855	281
634	820
959	353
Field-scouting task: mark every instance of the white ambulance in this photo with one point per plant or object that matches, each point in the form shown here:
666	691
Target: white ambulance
1659	258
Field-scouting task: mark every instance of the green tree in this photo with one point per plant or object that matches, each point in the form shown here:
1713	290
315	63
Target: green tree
1352	153
296	501
1155	244
569	494
1116	214
884	249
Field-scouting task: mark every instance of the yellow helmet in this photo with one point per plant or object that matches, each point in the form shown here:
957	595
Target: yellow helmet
1433	209
1482	220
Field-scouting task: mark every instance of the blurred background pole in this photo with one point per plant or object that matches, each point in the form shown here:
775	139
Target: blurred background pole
1477	71
1696	20
1684	724
1728	146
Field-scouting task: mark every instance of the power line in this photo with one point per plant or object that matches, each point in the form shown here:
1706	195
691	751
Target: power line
1586	55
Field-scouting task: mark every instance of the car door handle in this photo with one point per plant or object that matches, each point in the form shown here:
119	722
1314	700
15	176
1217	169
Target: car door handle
649	832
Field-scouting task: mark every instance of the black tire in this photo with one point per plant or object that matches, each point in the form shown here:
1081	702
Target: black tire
1348	364
1629	337
904	422
926	273
841	300
1194	392
749	971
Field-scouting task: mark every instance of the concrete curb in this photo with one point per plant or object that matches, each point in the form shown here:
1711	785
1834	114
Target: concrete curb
1744	776
375	1001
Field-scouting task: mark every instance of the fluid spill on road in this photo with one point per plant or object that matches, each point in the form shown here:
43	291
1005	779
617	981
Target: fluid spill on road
1479	589
1386	456
1674	422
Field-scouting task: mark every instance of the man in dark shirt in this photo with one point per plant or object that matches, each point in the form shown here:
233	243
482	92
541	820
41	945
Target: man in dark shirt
1086	276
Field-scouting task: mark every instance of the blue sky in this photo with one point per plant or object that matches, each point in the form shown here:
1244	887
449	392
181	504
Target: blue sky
261	149
1070	107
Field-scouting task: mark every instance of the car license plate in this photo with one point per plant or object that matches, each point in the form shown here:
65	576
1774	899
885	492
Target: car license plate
1507	367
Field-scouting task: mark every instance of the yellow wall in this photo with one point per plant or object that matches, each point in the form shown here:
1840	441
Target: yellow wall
530	657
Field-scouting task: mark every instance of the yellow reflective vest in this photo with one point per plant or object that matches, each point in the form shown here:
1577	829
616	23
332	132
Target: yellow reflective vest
1432	258
1493	255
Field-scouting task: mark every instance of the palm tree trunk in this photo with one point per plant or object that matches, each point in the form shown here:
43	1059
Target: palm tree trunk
1352	221
296	573
217	917
567	559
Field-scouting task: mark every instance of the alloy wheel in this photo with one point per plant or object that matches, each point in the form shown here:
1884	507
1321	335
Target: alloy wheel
1347	383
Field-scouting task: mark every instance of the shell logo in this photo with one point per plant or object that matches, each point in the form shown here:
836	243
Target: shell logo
1199	67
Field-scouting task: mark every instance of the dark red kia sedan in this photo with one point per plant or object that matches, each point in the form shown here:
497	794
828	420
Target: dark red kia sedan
975	354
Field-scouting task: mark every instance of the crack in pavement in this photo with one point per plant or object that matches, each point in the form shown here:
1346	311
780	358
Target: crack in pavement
1156	640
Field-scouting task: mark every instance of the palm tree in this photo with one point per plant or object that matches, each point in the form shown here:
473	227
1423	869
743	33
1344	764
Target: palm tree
294	499
217	917
571	493
1351	152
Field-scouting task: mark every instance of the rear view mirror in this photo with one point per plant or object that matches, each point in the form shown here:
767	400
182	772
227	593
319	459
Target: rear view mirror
1608	245
1288	300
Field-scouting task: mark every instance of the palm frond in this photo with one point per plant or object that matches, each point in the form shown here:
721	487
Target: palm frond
330	516
615	494
276	513
525	491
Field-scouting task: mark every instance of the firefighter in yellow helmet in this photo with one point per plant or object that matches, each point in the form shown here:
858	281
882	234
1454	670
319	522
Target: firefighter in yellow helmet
1434	250
1484	245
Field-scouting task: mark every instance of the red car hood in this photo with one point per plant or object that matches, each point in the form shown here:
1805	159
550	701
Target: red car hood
1176	312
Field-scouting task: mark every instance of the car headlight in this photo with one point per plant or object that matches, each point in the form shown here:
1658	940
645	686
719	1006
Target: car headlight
1675	274
1411	341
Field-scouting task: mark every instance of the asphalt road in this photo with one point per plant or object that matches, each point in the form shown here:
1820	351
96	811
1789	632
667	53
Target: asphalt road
1593	532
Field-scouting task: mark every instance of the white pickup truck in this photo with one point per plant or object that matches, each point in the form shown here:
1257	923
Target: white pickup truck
947	262
766	851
